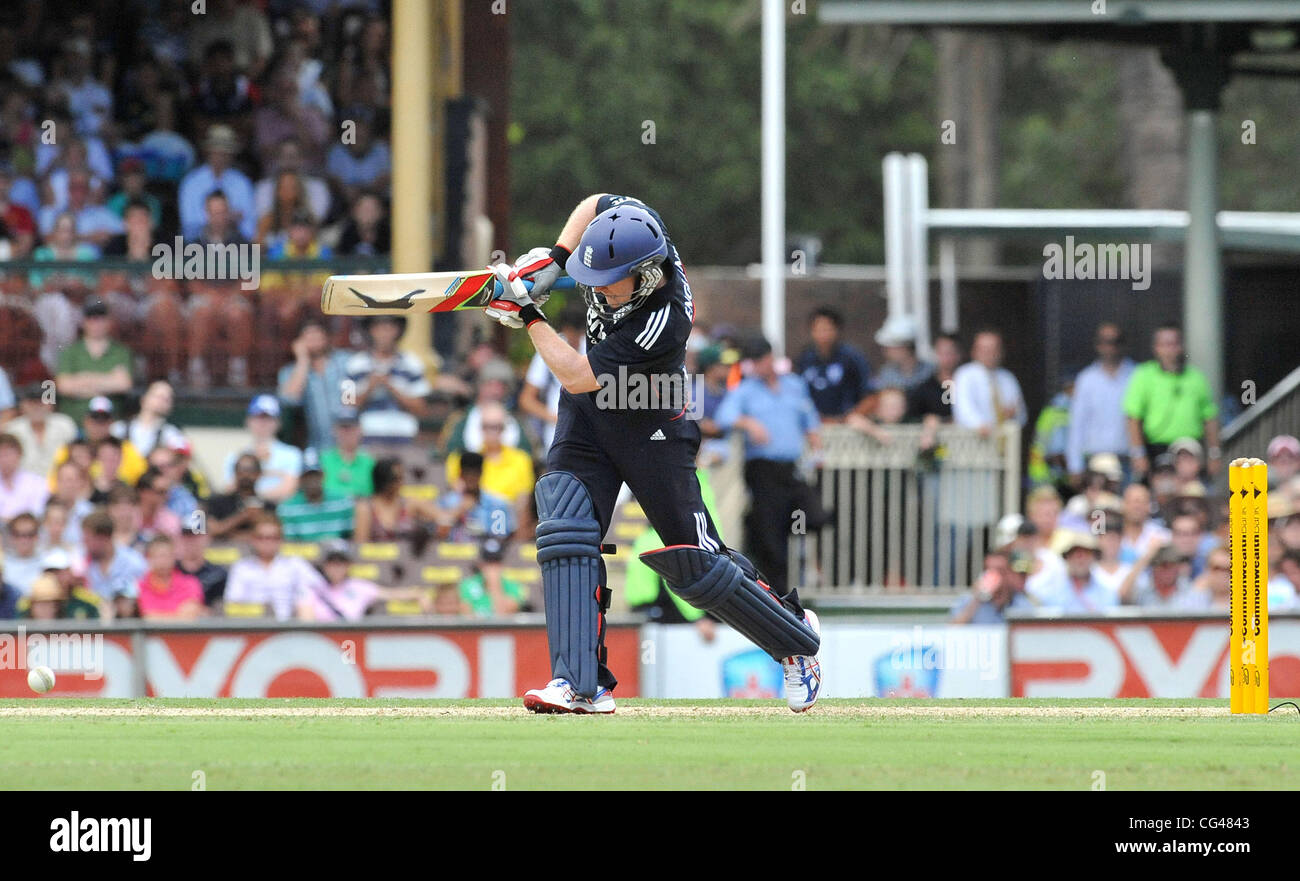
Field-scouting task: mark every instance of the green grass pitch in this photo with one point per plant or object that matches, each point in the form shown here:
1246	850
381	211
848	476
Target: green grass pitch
482	744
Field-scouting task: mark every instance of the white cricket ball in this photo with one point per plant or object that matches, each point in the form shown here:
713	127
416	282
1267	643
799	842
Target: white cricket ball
40	679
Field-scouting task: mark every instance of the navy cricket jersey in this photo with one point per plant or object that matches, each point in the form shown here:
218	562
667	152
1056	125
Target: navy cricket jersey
649	341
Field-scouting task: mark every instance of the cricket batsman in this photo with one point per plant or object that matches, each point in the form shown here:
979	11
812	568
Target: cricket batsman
639	315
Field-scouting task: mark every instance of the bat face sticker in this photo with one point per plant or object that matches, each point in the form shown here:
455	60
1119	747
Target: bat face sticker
402	302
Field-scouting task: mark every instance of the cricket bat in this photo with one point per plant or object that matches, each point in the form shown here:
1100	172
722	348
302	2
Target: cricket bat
405	293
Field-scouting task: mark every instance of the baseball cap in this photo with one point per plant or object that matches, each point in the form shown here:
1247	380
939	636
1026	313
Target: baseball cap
1106	464
336	549
1008	529
1283	443
100	407
1186	445
347	417
264	405
94	307
492	550
896	331
56	558
708	356
310	461
1164	462
1168	554
1067	540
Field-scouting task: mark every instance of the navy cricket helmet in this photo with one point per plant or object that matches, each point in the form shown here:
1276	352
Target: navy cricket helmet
620	241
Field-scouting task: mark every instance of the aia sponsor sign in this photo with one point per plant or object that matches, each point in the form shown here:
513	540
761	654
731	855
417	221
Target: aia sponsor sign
415	663
1140	658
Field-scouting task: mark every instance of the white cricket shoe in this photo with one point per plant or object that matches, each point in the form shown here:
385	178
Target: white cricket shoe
603	702
803	673
559	697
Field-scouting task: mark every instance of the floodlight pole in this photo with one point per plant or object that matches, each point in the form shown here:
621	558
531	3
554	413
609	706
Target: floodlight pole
773	170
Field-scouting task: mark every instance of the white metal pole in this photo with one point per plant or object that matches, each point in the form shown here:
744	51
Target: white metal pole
896	266
773	171
918	251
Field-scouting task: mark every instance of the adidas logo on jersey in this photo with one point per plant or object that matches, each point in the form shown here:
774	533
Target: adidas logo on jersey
658	435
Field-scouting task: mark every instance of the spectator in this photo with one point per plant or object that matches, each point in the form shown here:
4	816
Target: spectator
540	395
486	591
467	511
191	559
165	592
362	163
713	364
1048	578
134	190
1284	587
837	375
1081	592
1109	571
367	232
1213	587
507	471
348	468
104	470
984	394
315	381
17	221
282	585
1168	399
20	491
51	600
149	428
231	515
94	366
388	515
155	517
284	116
189	477
1187	460
777	416
312	194
495	379
242	25
1164	485
281	464
146	103
71	491
40	430
390	385
222	95
122	503
113	569
313	514
1000	589
137	239
930	402
343	597
902	368
1193	542
1283	460
22	558
95	224
219	310
69	150
288	202
177	496
1100	483
1142	532
218	173
294	294
89	101
96	427
1159	581
1047	449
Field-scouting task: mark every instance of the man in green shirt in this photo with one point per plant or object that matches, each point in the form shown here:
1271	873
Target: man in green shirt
94	365
486	590
314	513
1166	400
348	468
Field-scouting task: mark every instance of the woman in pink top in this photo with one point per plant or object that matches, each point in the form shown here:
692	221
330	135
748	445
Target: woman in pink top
165	591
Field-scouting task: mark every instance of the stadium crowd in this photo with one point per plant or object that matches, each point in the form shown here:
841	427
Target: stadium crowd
266	123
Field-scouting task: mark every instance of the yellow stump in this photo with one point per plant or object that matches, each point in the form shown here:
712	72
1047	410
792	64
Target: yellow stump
1236	602
1248	608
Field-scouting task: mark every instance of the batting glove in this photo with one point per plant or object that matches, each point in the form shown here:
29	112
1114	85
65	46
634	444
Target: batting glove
542	266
